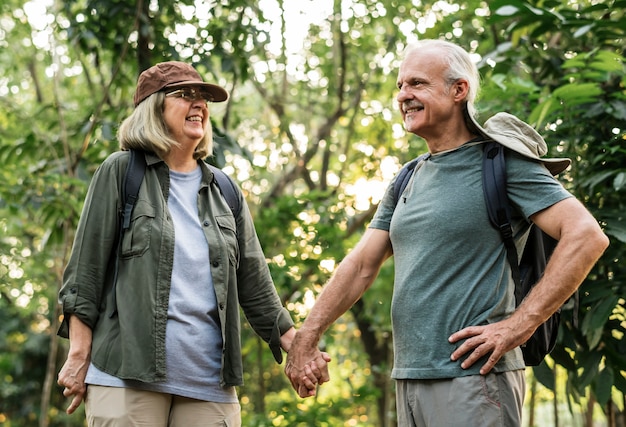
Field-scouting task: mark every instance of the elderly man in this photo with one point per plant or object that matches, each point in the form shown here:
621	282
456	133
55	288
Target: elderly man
456	328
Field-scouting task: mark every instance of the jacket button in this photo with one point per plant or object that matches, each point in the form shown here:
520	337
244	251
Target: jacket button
205	223
221	306
215	264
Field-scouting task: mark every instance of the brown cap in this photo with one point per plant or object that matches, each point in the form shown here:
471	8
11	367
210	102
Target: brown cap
172	75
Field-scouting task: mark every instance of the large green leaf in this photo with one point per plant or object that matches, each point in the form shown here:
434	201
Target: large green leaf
590	368
603	385
608	61
599	314
545	375
617	230
577	93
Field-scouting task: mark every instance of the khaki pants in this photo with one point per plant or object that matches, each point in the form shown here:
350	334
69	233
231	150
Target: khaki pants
492	400
127	407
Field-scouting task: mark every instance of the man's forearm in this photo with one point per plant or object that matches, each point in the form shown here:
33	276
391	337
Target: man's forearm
343	290
306	365
578	250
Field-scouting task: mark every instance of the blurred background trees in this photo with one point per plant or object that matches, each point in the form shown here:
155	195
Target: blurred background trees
313	136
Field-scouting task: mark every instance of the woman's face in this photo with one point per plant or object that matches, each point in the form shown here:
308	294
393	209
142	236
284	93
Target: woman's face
186	114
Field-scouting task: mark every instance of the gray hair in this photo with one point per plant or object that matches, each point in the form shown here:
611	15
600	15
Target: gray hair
145	129
460	66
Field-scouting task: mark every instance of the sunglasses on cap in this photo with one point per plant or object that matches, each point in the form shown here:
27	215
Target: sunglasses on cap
191	94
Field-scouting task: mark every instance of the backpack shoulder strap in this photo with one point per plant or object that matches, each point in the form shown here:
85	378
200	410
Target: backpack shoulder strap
135	170
404	175
133	177
497	201
227	188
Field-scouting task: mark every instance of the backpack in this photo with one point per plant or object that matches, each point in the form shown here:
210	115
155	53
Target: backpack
135	171
539	246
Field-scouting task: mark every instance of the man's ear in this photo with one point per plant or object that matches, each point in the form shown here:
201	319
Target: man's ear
460	89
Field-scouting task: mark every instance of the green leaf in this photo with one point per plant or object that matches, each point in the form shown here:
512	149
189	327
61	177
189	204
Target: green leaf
608	61
590	368
544	374
618	109
617	230
575	62
593	337
583	30
537	11
543	110
577	93
596	179
508	10
593	323
620	381
603	386
619	181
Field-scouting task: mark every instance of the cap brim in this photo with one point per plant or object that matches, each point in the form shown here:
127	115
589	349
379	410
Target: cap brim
219	94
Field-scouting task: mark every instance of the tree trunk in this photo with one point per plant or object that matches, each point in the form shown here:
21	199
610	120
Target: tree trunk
391	419
556	400
532	401
144	53
51	364
589	415
610	413
378	352
259	401
50	368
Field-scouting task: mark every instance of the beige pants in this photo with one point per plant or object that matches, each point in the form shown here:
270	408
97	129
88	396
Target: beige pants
127	407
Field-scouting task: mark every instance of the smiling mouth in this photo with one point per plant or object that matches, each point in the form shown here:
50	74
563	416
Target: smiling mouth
412	107
194	119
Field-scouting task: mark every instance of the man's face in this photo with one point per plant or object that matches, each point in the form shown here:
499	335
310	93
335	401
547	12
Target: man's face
425	99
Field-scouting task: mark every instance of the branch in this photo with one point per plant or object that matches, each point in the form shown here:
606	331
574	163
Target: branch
376	351
94	118
359	221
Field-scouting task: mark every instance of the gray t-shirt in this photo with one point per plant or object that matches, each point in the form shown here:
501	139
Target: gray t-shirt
193	341
451	269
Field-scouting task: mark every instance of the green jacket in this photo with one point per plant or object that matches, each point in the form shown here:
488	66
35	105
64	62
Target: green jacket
129	331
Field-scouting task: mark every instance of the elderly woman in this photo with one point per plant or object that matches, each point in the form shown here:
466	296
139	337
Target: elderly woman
159	345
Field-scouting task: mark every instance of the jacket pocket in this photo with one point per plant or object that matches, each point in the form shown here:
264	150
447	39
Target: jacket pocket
228	229
136	239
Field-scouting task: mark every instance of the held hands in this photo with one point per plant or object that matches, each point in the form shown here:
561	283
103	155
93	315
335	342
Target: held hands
306	367
305	378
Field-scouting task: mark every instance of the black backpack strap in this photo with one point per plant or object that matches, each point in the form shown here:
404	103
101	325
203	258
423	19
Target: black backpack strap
135	170
133	177
227	188
497	201
405	175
